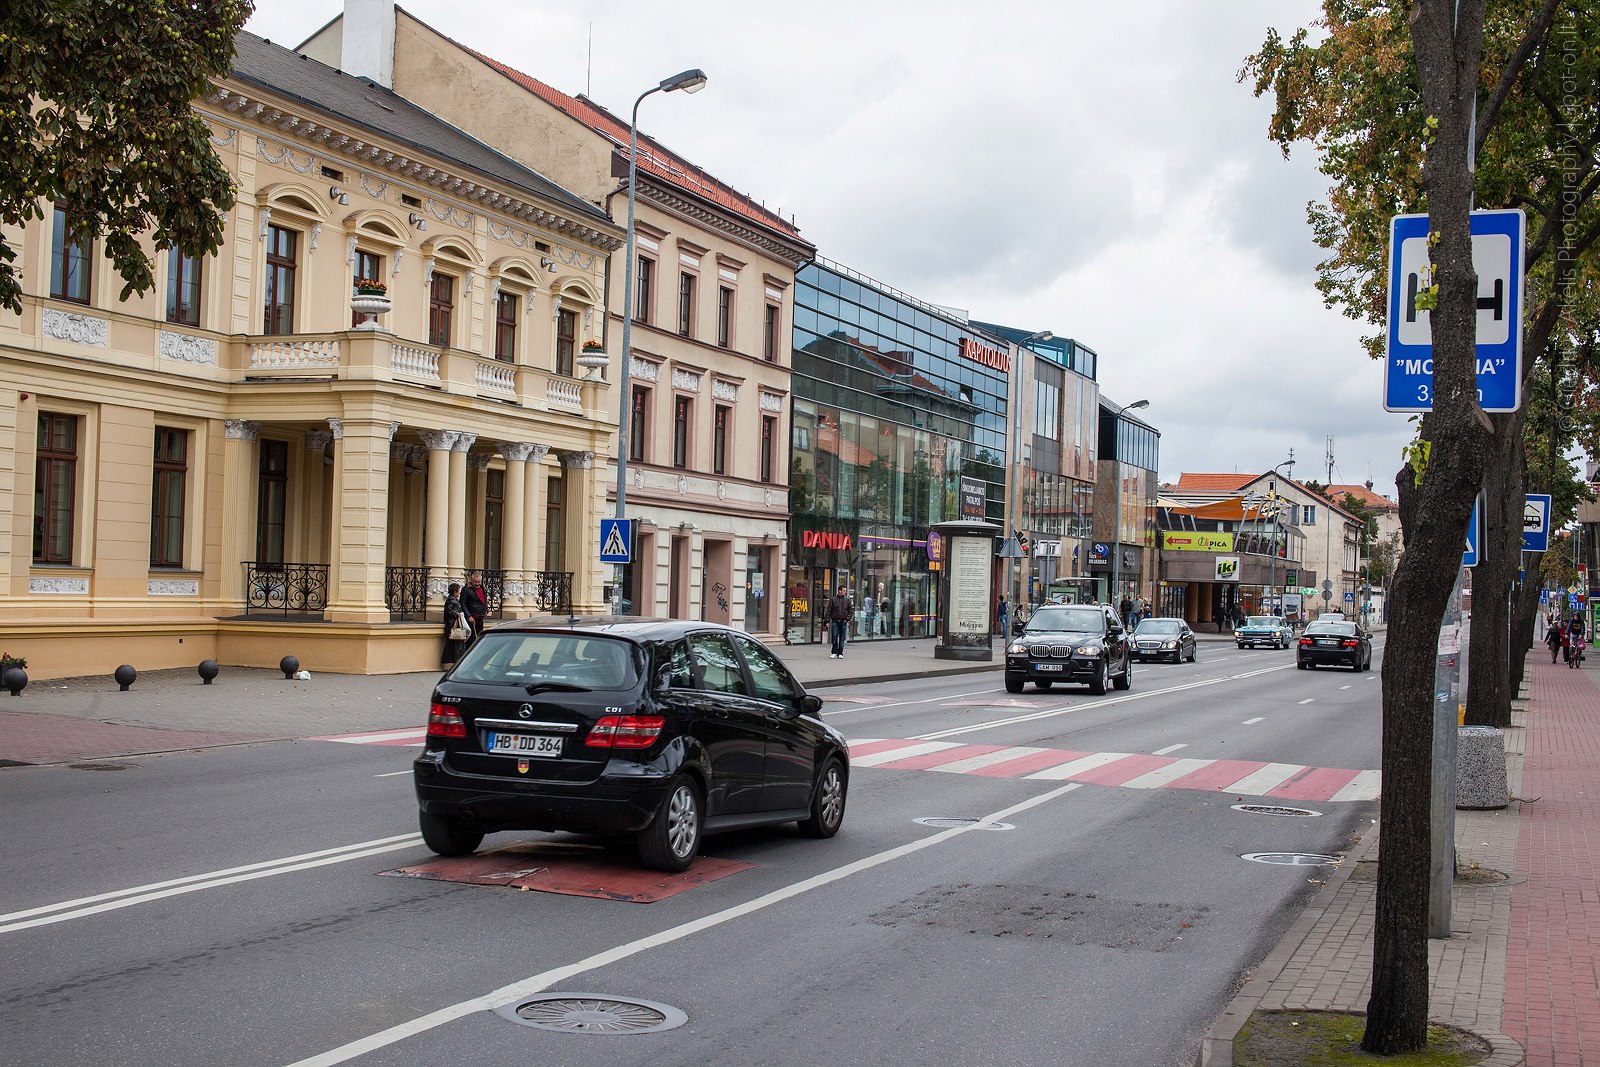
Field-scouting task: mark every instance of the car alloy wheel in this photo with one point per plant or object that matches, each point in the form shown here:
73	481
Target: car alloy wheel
827	803
671	840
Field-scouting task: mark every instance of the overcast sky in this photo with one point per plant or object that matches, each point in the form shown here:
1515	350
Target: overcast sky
1088	168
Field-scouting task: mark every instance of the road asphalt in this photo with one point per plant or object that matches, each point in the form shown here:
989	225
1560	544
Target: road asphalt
1520	968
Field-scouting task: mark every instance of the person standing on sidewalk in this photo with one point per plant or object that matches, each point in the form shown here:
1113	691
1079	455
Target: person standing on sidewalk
1001	616
475	603
839	615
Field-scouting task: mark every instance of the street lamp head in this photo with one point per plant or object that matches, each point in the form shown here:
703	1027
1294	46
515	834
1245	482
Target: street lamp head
1042	335
1136	404
690	81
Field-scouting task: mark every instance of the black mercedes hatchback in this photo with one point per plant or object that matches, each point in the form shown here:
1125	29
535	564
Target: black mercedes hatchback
661	730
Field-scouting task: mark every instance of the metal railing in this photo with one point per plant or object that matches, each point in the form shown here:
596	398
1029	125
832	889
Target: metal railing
550	592
405	592
290	588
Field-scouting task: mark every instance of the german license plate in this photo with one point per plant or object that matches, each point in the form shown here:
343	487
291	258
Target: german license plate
1326	643
514	744
1049	666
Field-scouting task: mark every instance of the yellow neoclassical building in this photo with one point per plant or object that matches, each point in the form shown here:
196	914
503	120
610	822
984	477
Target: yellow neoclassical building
257	459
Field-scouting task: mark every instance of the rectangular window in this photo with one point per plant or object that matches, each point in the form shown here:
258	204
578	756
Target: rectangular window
769	436
494	511
719	440
638	424
641	289
769	334
552	525
368	267
280	280
55	480
1308	515
169	484
686	304
441	308
505	327
183	288
70	261
272	487
681	409
566	340
724	317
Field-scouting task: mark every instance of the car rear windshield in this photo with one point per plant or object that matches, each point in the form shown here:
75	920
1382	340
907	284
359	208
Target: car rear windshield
1158	626
578	660
1343	629
1082	619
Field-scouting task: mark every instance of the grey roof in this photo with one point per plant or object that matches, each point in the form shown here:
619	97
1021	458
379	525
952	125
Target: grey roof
365	103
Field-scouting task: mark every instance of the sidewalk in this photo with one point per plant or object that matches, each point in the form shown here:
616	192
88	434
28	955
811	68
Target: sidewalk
1521	967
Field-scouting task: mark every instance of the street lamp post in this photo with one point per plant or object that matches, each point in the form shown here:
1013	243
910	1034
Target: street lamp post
690	81
1015	389
1272	493
1116	517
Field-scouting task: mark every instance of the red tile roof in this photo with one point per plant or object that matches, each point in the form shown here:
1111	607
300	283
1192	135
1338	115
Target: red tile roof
1372	500
1214	483
654	158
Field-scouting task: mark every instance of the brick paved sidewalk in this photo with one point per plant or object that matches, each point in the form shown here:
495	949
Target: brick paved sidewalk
1521	965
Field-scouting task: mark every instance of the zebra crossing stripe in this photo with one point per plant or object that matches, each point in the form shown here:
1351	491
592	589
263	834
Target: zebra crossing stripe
1364	786
1164	776
969	764
1079	766
875	759
1268	778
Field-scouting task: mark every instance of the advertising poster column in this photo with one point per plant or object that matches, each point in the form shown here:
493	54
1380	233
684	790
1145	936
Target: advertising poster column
968	603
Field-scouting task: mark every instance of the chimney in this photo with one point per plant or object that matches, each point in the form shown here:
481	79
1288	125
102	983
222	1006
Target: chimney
1369	485
367	36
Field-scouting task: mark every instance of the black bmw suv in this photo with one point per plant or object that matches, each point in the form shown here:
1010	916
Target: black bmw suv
662	730
1070	643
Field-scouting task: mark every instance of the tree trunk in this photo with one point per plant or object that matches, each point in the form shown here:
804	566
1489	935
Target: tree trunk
1434	510
1499	556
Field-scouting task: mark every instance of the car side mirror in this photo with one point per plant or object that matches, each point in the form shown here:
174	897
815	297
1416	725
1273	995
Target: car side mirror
810	705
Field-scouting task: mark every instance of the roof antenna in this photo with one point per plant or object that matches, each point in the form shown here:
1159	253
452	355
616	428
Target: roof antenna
588	72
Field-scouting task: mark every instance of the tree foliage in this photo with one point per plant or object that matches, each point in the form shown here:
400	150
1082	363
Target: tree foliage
95	118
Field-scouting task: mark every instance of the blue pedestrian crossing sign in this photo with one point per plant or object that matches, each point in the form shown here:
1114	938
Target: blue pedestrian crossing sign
1469	558
616	540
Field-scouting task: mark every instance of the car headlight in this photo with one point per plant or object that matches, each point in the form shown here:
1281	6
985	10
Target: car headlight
1170	645
1090	650
1018	649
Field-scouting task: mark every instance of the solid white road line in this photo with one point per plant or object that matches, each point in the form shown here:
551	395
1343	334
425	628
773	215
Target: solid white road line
1264	781
988	759
1364	786
391	774
1048	713
1252	722
1169	749
1344	687
909	703
1170	773
901	753
1308	700
125	898
509	994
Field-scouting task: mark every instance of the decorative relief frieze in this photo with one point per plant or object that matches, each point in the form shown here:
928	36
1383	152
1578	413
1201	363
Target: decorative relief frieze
464	219
264	216
59	586
229	136
187	348
337	426
240	429
688	381
174	587
772	402
644	369
373	186
721	390
79	329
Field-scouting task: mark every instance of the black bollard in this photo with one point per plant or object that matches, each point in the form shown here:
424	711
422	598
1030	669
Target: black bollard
288	665
125	676
15	679
208	670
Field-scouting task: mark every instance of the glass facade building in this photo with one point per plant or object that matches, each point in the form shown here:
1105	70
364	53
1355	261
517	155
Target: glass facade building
896	402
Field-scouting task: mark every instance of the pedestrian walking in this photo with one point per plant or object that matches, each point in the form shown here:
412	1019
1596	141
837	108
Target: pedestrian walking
839	615
1001	616
1125	612
475	602
457	630
1552	637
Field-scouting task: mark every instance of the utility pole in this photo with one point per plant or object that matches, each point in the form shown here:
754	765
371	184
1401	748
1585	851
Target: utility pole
1327	534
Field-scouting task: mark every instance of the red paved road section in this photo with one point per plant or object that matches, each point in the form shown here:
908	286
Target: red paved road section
578	871
28	737
1553	947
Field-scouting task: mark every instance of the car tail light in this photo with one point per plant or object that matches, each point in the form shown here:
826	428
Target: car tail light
625	731
445	722
1305	641
1351	642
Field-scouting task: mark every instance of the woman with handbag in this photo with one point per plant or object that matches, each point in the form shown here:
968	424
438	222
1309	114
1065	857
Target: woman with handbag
457	627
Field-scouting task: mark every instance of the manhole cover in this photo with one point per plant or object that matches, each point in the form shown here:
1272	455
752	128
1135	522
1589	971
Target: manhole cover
1290	859
945	823
591	1013
1269	809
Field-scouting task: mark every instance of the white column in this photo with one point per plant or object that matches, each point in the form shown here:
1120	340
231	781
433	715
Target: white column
436	542
240	481
460	500
533	512
315	531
